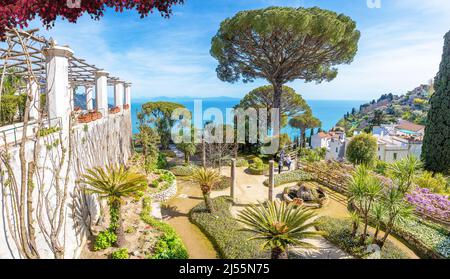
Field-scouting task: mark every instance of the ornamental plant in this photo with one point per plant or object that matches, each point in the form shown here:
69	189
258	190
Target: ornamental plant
429	203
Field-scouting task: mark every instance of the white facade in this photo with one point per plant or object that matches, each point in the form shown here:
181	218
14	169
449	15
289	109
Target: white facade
319	141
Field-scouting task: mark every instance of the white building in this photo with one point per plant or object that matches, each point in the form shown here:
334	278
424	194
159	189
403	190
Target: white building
320	140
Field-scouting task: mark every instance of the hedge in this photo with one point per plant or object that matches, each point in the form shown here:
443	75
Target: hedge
289	177
224	183
239	163
224	231
168	245
338	232
183	170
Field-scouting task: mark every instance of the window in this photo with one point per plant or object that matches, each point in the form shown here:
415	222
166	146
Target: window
395	156
337	150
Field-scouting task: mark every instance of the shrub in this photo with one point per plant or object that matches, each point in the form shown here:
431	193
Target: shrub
289	177
362	149
161	162
224	183
257	167
169	153
168	245
339	232
105	239
164	181
380	167
183	170
240	163
120	254
225	233
436	183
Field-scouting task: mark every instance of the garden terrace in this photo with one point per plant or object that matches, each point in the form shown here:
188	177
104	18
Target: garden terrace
52	74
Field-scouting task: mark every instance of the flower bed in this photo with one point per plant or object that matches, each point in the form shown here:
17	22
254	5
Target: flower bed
165	185
430	204
224	231
338	231
289	177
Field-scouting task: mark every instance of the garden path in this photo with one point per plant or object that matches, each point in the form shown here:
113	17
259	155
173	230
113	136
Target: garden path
176	213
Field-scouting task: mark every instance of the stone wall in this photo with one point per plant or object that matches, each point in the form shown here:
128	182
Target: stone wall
105	141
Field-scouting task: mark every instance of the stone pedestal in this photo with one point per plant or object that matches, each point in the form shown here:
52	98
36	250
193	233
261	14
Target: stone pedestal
233	180
271	180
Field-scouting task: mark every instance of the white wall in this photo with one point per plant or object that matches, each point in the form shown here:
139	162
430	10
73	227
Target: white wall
105	141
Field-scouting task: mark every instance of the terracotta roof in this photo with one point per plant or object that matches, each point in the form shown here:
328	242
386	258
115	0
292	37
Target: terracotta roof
323	135
406	125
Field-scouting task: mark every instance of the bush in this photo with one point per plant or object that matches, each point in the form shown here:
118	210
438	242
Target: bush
380	167
121	254
105	239
161	162
224	183
183	170
362	149
338	231
437	183
289	177
164	181
169	153
240	163
168	245
225	233
257	167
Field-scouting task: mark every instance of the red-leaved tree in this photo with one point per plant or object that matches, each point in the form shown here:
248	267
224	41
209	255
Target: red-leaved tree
18	13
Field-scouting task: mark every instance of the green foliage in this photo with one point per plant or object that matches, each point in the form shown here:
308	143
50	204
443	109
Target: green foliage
164	181
362	149
257	167
223	183
279	225
304	122
161	163
312	155
297	28
105	239
436	183
380	167
188	149
240	163
48	131
168	245
148	139
183	170
225	232
339	232
120	254
160	115
436	145
289	177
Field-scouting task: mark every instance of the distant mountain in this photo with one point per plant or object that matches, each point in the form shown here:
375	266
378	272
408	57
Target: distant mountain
412	106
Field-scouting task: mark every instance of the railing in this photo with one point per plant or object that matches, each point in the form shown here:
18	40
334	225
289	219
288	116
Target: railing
12	134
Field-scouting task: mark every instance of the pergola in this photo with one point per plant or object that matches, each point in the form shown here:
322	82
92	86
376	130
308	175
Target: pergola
44	64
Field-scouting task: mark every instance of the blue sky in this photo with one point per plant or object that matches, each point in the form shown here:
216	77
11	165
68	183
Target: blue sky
400	48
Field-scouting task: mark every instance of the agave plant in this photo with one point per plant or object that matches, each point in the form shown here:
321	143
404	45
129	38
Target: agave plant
279	225
206	178
114	183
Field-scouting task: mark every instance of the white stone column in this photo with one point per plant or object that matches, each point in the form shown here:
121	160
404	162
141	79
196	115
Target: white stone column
118	94
101	90
34	89
128	94
58	98
233	180
89	90
72	95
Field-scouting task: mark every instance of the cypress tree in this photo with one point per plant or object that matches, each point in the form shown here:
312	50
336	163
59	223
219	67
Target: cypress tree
436	146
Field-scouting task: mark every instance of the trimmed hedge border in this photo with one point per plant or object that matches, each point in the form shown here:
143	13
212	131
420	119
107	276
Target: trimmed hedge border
169	245
338	232
224	233
289	177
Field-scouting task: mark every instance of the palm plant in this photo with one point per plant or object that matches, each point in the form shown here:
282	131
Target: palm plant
404	172
356	221
279	225
378	212
114	183
397	209
363	190
206	178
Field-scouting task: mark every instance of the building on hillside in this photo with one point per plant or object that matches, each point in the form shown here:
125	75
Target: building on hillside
320	140
406	128
393	148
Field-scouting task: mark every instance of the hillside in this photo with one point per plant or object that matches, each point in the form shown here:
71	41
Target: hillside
412	106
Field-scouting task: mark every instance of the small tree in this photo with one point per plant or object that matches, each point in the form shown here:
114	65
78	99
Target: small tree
362	149
114	183
404	173
436	145
279	225
188	149
304	122
206	178
281	45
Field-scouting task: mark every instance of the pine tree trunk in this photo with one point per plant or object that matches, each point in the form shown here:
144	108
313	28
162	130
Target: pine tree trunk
278	89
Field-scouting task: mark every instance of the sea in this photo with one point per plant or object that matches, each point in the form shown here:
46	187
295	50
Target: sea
328	111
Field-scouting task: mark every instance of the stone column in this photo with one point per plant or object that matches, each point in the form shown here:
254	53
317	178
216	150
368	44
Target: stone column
271	180
128	94
58	89
233	180
101	91
72	95
118	94
89	89
34	89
